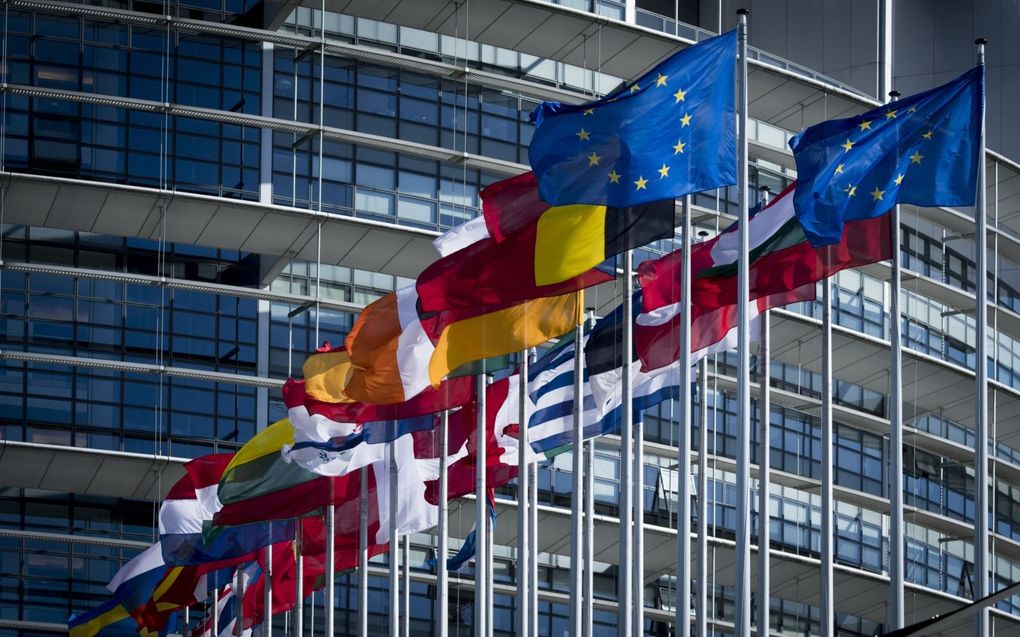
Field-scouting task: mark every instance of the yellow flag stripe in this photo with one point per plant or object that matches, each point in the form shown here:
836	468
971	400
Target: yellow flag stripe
268	441
326	376
96	624
570	241
512	329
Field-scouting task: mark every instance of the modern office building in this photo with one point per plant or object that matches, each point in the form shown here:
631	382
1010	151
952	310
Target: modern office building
193	194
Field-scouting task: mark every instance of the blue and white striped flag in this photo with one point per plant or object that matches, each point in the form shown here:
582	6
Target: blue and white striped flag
551	386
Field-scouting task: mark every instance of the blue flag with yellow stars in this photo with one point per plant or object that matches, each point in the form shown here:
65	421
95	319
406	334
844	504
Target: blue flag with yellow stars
669	133
921	150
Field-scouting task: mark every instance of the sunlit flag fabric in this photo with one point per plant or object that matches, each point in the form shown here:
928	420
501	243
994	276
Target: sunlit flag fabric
528	249
463	336
186	533
551	386
668	133
110	619
921	150
783	270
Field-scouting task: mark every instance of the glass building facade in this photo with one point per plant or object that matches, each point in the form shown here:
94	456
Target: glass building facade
159	339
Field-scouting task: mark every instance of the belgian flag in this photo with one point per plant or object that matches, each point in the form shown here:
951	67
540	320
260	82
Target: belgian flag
535	251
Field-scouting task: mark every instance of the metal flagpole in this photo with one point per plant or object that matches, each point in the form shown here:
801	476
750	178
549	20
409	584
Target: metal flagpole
764	413
742	576
625	589
214	625
239	596
577	484
330	568
394	574
896	563
588	593
826	612
267	619
186	629
588	614
981	558
299	586
523	502
443	548
481	510
363	554
532	549
702	575
683	467
405	589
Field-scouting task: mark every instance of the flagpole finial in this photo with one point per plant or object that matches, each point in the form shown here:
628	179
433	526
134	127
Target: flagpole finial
894	95
981	42
743	12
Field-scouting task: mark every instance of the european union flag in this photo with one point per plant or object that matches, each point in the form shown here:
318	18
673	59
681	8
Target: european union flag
669	133
921	150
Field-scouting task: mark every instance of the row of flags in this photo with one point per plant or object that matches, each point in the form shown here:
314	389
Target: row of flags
605	176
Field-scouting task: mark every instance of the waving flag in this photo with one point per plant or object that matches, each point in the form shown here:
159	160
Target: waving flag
186	534
922	149
669	133
109	618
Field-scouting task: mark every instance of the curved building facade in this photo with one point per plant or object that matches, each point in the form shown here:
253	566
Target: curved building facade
195	194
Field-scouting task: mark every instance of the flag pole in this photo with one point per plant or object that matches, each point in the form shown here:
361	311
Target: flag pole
702	575
299	586
267	618
764	414
895	485
981	558
363	555
405	588
239	596
330	568
588	610
826	611
742	576
532	550
186	629
481	528
214	625
394	573
577	480
625	589
523	502
683	468
443	549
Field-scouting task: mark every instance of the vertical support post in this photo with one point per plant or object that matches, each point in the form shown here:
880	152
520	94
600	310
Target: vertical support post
239	596
577	485
214	625
625	590
299	586
405	588
702	575
532	551
186	621
394	557
524	609
885	51
363	554
443	541
826	611
267	619
764	413
588	542
481	511
330	609
981	556
742	623
895	482
683	467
